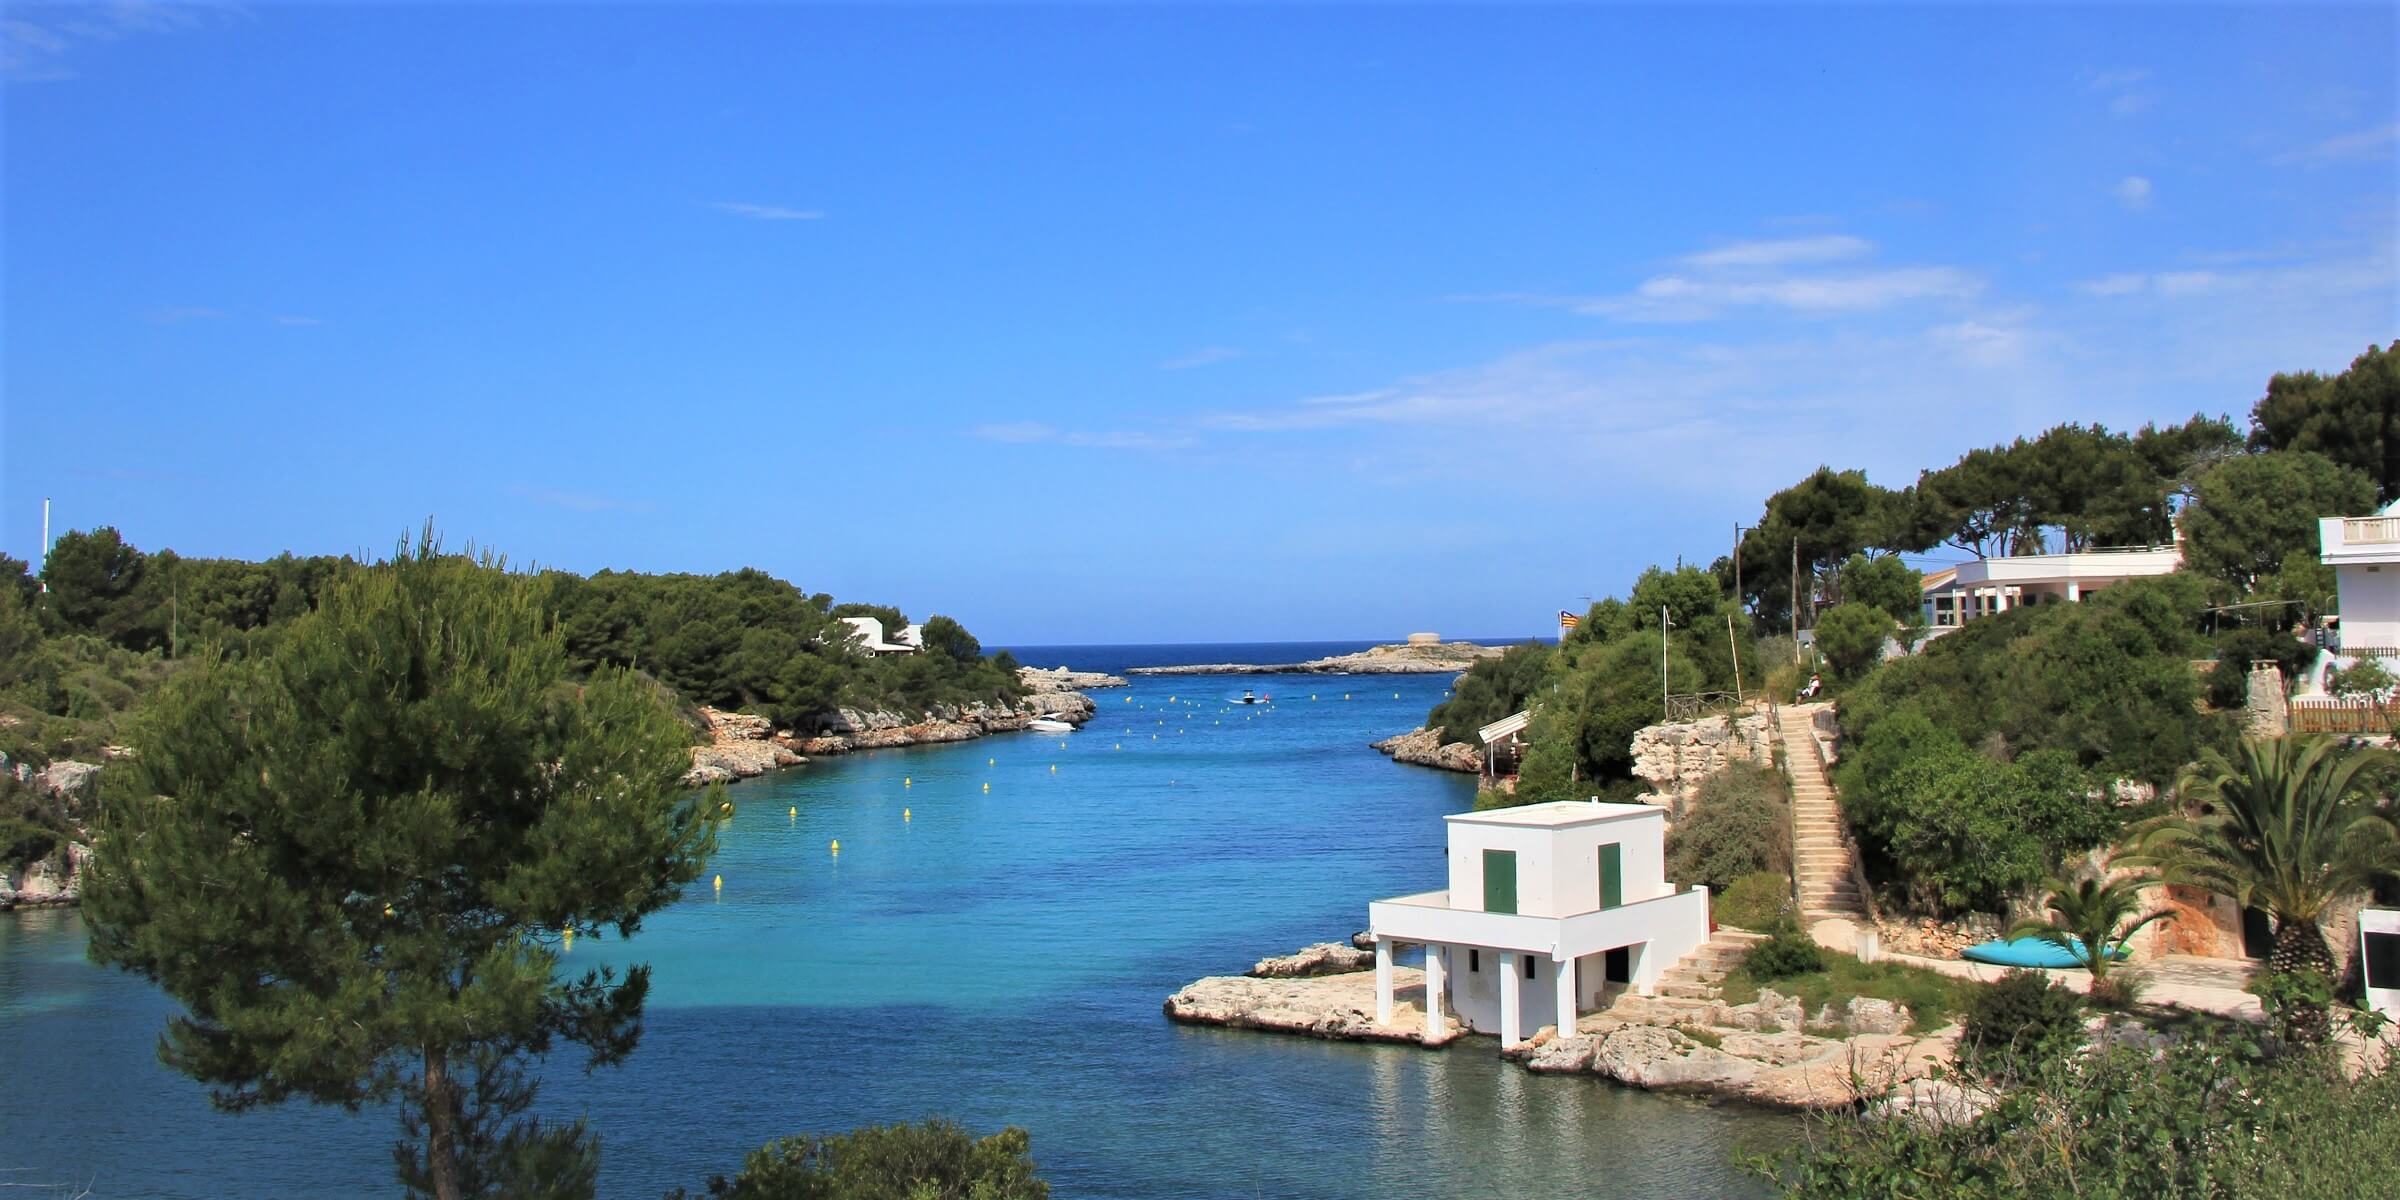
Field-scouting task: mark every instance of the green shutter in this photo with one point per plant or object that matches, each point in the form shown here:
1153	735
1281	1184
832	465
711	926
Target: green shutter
1612	875
1500	881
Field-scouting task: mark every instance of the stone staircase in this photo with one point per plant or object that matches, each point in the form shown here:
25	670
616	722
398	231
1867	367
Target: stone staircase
1822	857
1688	990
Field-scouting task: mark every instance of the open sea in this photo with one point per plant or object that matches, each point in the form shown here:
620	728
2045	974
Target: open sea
996	955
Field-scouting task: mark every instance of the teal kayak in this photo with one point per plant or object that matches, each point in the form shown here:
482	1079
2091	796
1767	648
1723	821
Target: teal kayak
2031	952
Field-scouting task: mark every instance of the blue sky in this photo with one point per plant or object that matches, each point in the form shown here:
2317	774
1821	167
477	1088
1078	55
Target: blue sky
1131	324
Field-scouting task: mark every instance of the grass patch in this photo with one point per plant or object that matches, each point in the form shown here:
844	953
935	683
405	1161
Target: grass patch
1932	998
1703	1035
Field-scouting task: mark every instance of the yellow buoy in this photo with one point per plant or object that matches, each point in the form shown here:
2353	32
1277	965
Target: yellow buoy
1054	768
387	910
1345	695
837	846
991	762
904	814
569	937
720	883
795	813
907	782
1118	746
987	787
726	808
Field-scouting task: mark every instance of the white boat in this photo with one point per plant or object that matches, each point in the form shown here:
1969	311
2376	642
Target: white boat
1048	725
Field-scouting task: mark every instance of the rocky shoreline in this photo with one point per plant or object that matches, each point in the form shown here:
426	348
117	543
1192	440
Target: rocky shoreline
1408	658
1425	748
1769	1052
57	878
742	746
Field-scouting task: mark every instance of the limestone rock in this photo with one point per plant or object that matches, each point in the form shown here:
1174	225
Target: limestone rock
67	779
1323	958
1425	748
1674	760
1864	1014
1340	1007
1064	680
55	879
1650	1057
1411	658
1563	1055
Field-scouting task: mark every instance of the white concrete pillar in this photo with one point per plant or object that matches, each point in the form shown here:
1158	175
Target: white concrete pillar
1999	600
2074	593
1644	972
1566	996
1510	1026
1437	988
1383	981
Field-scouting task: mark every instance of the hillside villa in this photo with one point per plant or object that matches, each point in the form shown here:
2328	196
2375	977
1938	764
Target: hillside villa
1957	595
867	634
1548	906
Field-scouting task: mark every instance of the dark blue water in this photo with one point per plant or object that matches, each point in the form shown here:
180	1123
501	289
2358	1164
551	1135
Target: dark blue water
996	956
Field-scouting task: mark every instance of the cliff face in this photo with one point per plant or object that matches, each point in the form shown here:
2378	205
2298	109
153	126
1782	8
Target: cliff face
1674	760
56	878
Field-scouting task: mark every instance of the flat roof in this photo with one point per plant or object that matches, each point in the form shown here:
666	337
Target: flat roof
1557	814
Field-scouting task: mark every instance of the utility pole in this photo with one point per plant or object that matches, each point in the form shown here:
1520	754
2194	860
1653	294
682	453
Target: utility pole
1736	648
1795	600
1737	565
1662	661
45	559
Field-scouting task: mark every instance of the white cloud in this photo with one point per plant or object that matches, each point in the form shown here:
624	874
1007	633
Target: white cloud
2133	192
299	321
1700	296
2121	284
2365	145
2125	87
1014	431
766	212
1998	342
36	42
1200	358
1781	252
1026	433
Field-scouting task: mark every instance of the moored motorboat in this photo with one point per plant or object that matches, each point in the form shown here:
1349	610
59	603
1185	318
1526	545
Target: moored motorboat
1049	725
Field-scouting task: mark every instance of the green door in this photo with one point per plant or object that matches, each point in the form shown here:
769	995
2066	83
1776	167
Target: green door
1500	881
1612	875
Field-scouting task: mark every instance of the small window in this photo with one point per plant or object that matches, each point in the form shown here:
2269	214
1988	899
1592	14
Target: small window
1528	966
1474	960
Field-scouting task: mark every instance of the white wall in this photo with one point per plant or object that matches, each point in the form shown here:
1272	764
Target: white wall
1536	869
2370	605
1558	868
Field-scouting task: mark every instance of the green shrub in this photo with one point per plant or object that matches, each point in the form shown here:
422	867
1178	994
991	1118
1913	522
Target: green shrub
1787	951
933	1160
2019	1024
1755	901
1738	825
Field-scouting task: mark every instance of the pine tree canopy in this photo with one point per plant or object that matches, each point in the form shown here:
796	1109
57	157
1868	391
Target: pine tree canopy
352	859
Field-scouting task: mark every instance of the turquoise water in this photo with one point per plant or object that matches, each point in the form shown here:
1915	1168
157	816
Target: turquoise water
997	957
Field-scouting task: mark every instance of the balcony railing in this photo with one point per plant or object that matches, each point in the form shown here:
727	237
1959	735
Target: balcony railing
2369	531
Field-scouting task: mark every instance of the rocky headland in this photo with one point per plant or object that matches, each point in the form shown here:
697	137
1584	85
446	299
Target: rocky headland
741	746
1405	658
1426	748
1062	679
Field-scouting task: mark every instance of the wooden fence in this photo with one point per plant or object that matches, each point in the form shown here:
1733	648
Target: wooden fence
2340	716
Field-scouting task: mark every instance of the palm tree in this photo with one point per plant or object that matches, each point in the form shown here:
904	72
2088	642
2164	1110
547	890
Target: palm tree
2091	920
2283	825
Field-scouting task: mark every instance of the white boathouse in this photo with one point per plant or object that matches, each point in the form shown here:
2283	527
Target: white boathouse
1549	905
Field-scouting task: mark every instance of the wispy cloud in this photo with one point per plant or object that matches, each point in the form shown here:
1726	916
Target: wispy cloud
179	314
2134	192
299	321
1782	252
765	212
1807	276
38	40
2127	89
1200	358
2365	145
575	501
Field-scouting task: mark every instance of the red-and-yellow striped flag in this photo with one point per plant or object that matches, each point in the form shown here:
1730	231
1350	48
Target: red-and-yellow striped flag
1568	620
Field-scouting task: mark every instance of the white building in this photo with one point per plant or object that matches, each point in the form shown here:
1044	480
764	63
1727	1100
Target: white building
1548	905
867	634
2364	553
1957	595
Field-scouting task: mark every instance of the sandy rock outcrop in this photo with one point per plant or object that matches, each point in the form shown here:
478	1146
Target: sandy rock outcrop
1425	748
68	779
1674	760
1783	1069
1061	679
1340	1008
852	729
740	746
1323	958
56	879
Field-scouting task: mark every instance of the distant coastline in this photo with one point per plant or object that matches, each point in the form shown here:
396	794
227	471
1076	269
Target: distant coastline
1404	658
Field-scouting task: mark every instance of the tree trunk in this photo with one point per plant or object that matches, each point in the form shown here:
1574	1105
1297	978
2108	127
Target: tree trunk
441	1125
2300	946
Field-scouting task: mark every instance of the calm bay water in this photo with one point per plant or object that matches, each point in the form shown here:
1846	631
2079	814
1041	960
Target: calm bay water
996	957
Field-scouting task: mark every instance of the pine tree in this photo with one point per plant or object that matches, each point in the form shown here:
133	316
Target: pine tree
351	861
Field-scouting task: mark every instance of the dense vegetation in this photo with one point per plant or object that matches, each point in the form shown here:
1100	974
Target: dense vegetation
116	621
1975	767
932	1160
2211	1115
